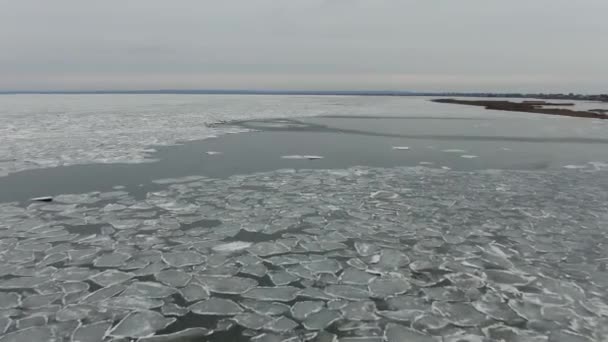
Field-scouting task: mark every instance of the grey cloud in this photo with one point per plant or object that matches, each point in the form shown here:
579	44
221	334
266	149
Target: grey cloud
389	44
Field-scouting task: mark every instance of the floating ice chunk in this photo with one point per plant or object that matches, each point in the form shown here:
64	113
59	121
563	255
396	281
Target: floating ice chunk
323	266
29	335
266	337
446	293
181	259
258	270
360	311
301	310
265	308
460	314
468	156
131	302
347	292
454	150
173	278
353	276
216	307
403	315
385	287
194	292
364	248
111	260
104	293
506	333
5	323
314	293
426	163
227	285
252	320
357	263
140	324
495	308
264	249
429	323
463	336
321	320
282	277
190	334
507	278
399	333
301	272
230	247
22	282
172	309
281	325
362	339
42	199
297	156
148	289
111	277
38	301
213	153
31	321
9	300
384	195
391	259
91	332
279	293
401	148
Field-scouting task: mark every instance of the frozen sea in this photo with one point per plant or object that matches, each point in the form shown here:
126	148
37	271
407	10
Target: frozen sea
299	218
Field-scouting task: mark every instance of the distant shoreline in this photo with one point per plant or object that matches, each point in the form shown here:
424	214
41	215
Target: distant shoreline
579	97
537	107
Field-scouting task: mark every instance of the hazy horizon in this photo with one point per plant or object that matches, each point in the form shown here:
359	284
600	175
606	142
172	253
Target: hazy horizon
317	45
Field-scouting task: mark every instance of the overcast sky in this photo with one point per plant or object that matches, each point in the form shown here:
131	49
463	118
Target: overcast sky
464	45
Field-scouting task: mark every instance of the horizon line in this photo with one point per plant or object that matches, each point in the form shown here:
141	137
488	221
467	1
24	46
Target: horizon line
272	92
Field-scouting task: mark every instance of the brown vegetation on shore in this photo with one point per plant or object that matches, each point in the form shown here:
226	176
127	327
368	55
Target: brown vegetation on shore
537	107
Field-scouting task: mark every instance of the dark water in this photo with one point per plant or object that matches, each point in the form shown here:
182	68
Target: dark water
343	141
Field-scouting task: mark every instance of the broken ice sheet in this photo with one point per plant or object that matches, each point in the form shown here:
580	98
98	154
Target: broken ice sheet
399	333
148	289
323	266
460	314
347	292
360	311
385	287
281	324
91	332
279	293
186	335
265	249
181	259
234	246
173	278
140	324
227	285
265	308
111	260
321	320
282	277
301	310
111	277
194	292
252	320
216	307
